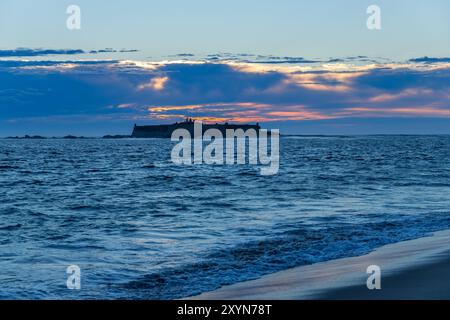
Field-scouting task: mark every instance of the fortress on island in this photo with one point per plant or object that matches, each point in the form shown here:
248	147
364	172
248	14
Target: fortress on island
165	130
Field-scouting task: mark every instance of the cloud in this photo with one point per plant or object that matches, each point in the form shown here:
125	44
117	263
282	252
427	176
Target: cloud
157	84
431	60
28	52
154	92
110	50
277	60
427	111
184	55
247	58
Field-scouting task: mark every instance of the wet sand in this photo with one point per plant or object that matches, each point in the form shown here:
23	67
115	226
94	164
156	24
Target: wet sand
430	281
415	269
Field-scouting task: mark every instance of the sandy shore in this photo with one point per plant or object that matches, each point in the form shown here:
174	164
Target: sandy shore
415	269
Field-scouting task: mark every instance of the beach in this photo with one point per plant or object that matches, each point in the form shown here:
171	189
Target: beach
414	270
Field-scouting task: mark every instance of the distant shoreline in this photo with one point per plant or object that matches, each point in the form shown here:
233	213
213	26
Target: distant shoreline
67	137
118	136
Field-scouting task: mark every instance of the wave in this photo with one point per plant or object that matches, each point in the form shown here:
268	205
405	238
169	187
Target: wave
299	246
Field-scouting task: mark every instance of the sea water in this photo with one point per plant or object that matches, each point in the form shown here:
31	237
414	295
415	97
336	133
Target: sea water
140	227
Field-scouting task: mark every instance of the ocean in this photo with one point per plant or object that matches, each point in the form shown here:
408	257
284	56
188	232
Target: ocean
140	227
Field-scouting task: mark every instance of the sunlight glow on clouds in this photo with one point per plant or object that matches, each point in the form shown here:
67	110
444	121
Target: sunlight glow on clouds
155	92
157	84
400	111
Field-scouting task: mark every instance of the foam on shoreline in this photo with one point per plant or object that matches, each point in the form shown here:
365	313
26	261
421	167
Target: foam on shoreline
404	263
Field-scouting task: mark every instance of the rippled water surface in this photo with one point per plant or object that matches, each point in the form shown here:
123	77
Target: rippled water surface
140	227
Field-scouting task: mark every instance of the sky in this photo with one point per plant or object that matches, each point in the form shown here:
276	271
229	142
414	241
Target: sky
305	67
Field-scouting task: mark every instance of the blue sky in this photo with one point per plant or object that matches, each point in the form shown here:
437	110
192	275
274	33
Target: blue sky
303	66
322	28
